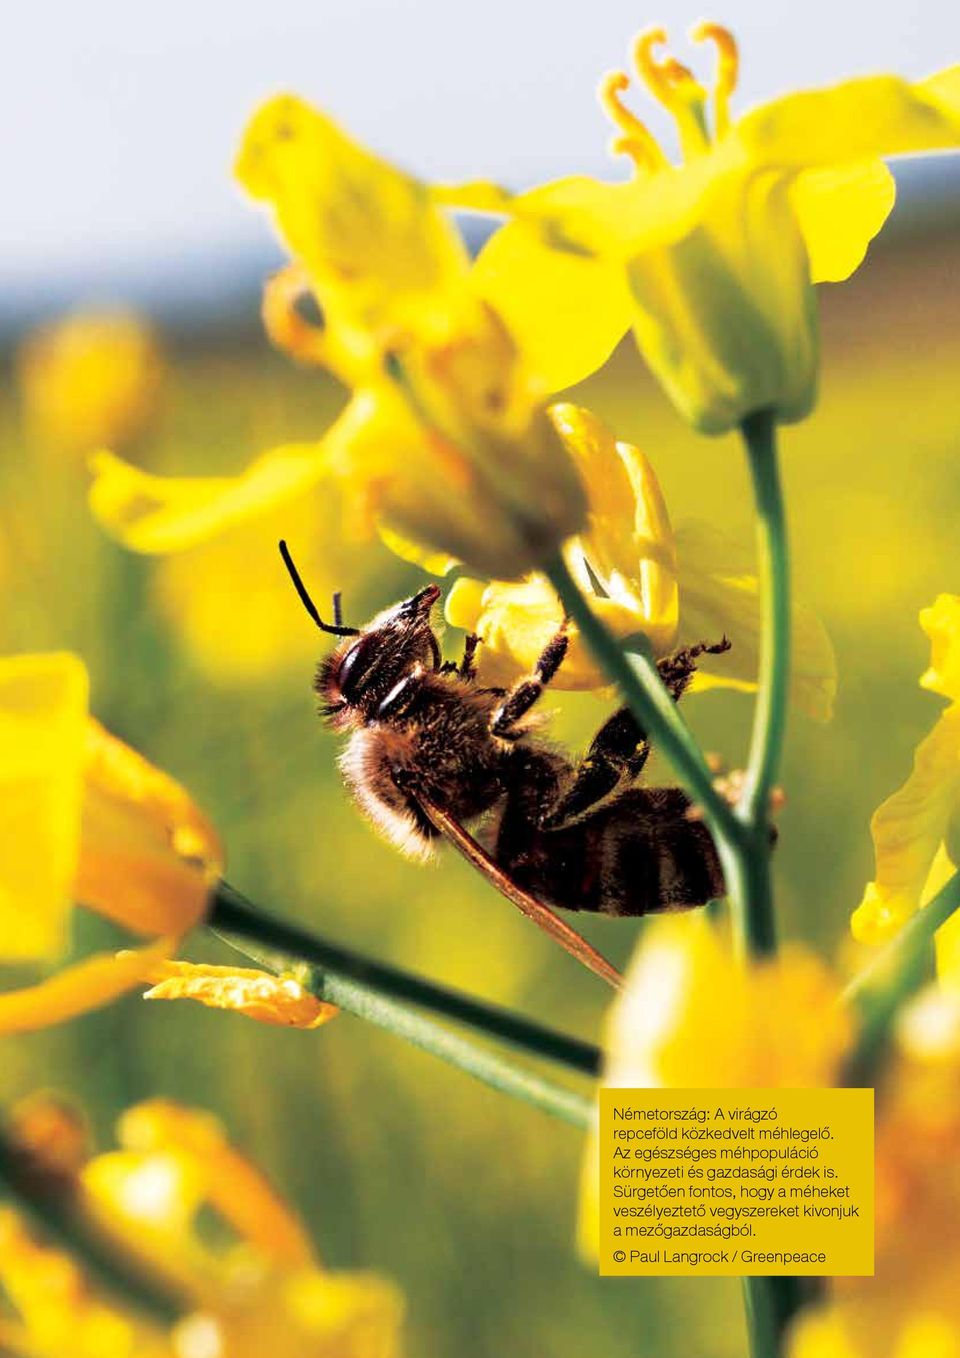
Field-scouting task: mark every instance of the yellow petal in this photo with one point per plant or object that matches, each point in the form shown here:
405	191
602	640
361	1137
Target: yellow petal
683	981
257	994
515	622
719	596
840	209
592	217
59	1309
167	513
566	311
913	829
474	195
858	119
307	1313
149	857
434	563
941	622
233	1186
464	603
198	589
77	989
372	240
43	716
160	1192
628	540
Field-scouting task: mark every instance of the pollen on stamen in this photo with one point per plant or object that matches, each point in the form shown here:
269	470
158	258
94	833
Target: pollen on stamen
635	141
728	67
665	77
675	87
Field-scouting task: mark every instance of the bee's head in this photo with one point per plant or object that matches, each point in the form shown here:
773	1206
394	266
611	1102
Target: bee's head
368	663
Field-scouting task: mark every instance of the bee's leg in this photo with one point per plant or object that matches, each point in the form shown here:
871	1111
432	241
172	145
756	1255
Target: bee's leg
678	669
618	751
468	666
621	747
525	692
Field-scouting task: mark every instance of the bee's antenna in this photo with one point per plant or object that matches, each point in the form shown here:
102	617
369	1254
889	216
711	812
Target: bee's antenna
337	630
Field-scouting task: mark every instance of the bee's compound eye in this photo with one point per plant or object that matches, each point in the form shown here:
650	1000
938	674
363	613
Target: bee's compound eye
347	664
351	672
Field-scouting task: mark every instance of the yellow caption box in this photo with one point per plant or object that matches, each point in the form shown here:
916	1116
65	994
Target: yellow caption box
719	1182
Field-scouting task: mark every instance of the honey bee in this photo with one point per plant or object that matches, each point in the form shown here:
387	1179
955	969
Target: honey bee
431	751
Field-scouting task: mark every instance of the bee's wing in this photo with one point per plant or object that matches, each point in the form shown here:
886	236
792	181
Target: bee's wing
550	922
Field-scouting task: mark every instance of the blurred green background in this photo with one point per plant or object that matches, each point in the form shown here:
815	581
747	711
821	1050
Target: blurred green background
398	1163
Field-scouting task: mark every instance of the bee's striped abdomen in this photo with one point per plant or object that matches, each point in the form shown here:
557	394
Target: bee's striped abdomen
639	853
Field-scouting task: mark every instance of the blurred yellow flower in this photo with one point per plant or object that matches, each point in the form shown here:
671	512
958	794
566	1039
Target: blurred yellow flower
261	996
90	378
445	440
85	818
914	830
910	1307
56	1311
677	588
261	1290
684	983
186	1155
712	263
692	1016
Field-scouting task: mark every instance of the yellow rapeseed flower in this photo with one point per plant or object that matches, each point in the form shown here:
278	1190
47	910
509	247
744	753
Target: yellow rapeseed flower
691	1016
84	818
261	1289
711	263
91	378
914	830
676	588
910	1307
444	440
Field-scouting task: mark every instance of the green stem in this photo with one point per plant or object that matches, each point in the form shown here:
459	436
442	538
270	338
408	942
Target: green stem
880	991
233	914
284	949
770	1304
762	1329
746	870
770	714
742	835
747	866
54	1204
644	692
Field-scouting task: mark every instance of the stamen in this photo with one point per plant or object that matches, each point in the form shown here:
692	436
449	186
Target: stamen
282	321
636	141
676	88
728	67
